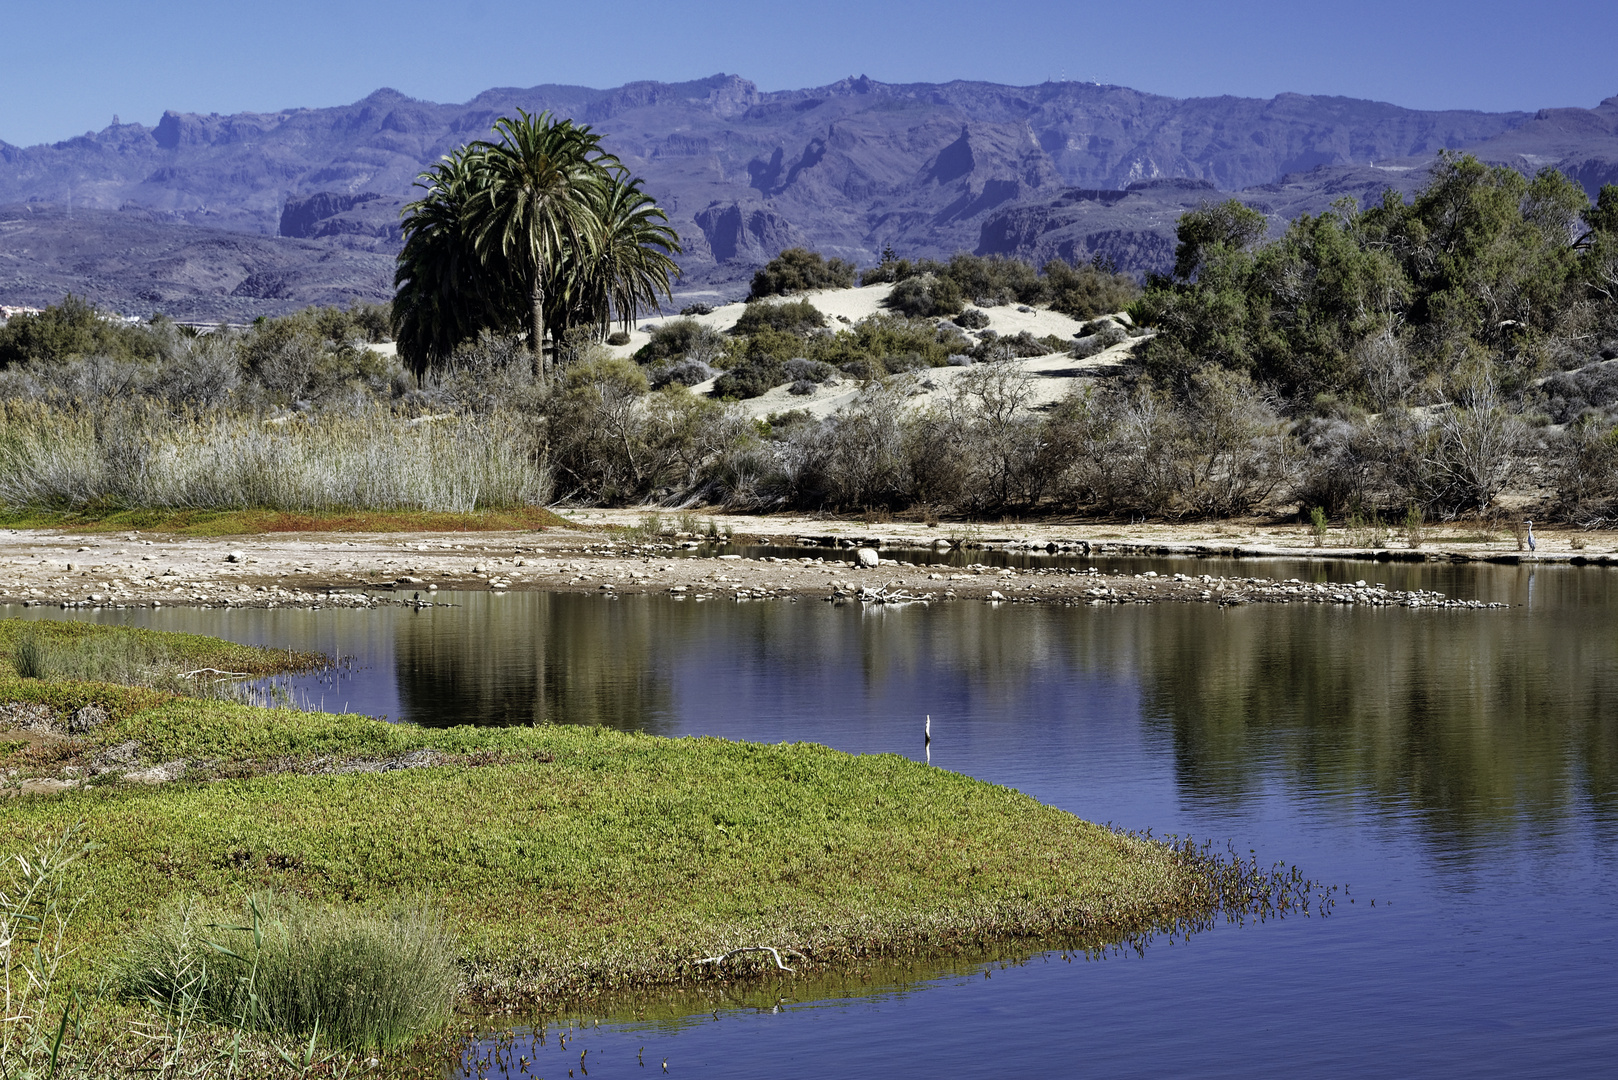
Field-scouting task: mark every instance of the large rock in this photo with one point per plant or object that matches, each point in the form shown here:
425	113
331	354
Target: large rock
867	557
88	718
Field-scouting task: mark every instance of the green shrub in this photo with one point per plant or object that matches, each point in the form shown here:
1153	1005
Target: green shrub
1088	290
361	979
972	319
996	280
618	337
681	338
1015	346
803	369
73	328
1318	525
791	316
925	296
799	270
750	379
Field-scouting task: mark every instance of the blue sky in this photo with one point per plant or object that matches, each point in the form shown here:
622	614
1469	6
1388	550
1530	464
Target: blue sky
70	65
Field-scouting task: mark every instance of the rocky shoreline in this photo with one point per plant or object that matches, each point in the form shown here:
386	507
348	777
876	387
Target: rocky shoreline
315	571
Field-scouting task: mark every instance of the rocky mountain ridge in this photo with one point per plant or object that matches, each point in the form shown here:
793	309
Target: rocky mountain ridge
1058	169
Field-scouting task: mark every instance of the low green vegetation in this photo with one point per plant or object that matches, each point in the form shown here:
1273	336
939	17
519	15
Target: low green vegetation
538	862
925	287
798	270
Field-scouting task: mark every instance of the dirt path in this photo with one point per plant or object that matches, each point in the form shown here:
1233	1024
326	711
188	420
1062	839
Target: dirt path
332	570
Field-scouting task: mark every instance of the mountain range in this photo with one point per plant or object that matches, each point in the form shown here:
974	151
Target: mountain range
210	216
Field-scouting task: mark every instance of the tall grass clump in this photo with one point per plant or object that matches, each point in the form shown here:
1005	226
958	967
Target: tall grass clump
356	979
108	658
134	457
35	913
31	656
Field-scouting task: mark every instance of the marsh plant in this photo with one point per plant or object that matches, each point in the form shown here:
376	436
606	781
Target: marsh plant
106	658
36	909
1318	525
356	979
122	659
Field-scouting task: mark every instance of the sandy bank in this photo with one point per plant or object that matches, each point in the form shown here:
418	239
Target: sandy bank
362	570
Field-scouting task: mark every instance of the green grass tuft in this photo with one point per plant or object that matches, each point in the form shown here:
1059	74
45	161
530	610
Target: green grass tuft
359	979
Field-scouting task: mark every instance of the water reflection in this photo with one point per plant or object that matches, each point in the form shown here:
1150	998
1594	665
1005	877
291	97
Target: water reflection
1477	723
1461	764
534	658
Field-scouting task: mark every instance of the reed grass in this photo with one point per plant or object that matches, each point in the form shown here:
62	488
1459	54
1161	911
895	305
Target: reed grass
356	978
68	664
370	459
36	911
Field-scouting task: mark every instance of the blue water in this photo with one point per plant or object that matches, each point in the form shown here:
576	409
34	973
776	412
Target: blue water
1459	769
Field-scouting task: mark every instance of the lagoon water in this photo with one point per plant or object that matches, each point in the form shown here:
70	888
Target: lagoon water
1459	768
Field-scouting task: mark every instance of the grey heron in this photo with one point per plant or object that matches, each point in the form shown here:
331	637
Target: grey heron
1533	545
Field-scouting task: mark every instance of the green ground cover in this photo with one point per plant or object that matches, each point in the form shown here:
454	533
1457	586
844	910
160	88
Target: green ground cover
572	860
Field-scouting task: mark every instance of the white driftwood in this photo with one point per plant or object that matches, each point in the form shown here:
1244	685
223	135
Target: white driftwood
772	950
212	671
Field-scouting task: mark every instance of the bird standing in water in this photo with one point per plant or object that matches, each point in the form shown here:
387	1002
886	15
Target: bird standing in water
1533	545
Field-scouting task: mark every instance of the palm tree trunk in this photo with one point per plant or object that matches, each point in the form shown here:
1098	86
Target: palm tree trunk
536	328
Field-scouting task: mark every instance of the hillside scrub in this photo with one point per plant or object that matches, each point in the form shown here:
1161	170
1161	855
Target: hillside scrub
798	270
1436	355
483	435
927	287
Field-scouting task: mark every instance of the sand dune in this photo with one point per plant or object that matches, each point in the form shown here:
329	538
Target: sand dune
1055	375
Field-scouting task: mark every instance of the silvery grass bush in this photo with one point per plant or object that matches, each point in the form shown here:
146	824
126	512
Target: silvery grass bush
137	456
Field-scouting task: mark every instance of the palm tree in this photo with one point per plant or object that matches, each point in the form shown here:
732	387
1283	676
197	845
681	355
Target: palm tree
634	256
540	231
534	203
626	271
444	294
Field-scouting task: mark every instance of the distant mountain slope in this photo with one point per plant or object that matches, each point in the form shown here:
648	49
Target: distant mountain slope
133	262
847	168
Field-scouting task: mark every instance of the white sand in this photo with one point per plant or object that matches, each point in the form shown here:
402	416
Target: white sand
1055	375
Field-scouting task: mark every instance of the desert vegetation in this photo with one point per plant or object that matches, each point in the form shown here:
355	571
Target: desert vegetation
1422	357
926	287
799	270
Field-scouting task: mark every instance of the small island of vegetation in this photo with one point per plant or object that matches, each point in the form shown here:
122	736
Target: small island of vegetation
476	869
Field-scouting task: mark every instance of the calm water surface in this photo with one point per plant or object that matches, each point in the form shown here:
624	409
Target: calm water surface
1461	768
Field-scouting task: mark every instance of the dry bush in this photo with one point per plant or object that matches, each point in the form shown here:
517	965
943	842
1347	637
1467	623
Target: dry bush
1585	471
137	456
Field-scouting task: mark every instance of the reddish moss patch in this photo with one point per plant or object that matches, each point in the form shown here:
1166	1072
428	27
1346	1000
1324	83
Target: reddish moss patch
255	522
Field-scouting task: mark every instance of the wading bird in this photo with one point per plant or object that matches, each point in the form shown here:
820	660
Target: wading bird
1533	545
